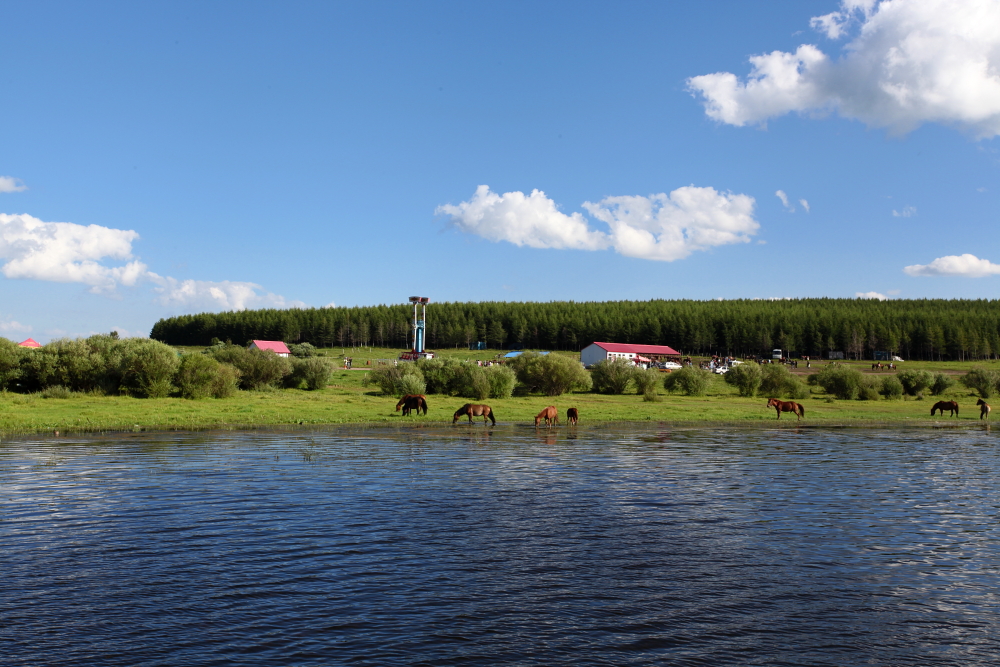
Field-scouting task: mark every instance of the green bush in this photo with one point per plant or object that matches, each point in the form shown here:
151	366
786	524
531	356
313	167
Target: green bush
869	388
56	391
312	372
391	379
502	381
914	381
778	381
981	379
689	380
148	367
302	350
613	376
891	388
10	364
843	382
941	384
443	376
200	376
551	374
646	381
746	377
259	369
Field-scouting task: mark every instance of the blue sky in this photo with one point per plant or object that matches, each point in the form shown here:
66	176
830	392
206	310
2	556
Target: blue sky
210	156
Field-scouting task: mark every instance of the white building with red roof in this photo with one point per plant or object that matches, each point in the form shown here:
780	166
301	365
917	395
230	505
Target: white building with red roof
598	352
276	346
31	342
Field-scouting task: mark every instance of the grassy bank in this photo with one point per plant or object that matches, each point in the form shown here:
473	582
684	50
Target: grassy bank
346	400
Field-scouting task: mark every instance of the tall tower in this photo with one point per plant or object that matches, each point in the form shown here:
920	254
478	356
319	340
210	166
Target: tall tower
419	324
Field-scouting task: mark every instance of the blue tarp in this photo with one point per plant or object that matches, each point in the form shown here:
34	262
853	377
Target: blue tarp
511	355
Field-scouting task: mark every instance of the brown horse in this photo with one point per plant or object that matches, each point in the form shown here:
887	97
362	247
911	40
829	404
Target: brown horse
786	406
572	416
549	414
984	409
412	402
945	405
474	410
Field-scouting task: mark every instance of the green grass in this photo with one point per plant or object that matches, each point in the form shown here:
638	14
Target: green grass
346	401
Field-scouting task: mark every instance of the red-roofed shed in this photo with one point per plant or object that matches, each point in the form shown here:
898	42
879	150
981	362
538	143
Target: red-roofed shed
31	342
598	352
276	346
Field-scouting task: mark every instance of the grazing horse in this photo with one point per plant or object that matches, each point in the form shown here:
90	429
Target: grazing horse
572	416
549	414
945	405
412	402
475	410
786	406
984	409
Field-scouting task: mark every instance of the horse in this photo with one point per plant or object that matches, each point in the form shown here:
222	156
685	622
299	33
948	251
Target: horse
572	416
549	414
984	409
474	410
945	405
412	402
786	406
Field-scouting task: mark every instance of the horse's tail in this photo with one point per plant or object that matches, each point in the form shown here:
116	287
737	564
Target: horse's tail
956	407
802	409
491	416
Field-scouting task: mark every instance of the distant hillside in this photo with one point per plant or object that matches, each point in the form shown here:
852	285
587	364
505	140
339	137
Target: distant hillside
914	329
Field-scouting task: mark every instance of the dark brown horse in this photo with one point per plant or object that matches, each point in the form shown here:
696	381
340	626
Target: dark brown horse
474	410
984	409
945	405
412	402
572	416
549	414
786	406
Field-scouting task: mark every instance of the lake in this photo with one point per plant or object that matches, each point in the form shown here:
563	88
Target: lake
618	545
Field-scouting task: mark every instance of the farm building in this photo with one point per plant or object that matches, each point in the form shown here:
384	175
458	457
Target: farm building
598	352
31	342
276	346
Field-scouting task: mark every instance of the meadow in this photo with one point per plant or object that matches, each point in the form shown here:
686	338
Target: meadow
345	400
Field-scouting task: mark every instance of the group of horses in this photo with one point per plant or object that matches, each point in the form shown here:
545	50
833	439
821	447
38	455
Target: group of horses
952	408
878	366
417	402
551	416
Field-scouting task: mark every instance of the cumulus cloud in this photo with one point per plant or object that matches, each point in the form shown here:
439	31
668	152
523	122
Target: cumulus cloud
13	326
216	295
11	184
662	227
911	62
907	212
870	295
966	265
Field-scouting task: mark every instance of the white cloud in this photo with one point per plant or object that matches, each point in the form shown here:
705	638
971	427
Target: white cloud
907	212
11	184
780	194
966	265
912	62
659	227
216	295
13	326
804	204
870	295
330	305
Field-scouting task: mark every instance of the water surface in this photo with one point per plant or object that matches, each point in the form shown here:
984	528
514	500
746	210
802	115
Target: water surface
471	546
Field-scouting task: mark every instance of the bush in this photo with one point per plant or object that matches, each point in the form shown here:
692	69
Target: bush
259	369
914	381
551	374
891	388
646	381
843	382
390	379
612	376
148	367
313	372
502	381
10	364
56	391
302	350
981	379
690	380
745	377
200	376
869	388
777	380
941	384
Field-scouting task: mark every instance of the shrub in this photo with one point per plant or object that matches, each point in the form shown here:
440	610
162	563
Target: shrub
745	377
869	388
199	376
690	380
612	376
941	384
10	363
259	369
148	367
892	388
646	381
981	379
502	381
56	391
914	381
551	374
441	375
313	372
843	382
302	350
390	379
778	381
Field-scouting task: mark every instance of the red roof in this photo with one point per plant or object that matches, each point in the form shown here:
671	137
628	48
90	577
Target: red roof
275	346
638	349
31	342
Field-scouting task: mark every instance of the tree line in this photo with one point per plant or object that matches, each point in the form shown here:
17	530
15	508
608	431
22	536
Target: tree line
930	329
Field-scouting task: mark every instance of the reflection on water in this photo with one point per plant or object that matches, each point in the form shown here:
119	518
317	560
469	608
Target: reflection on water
488	546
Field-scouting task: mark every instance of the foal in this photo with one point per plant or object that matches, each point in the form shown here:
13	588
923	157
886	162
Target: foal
984	409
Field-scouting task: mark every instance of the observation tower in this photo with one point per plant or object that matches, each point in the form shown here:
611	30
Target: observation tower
419	320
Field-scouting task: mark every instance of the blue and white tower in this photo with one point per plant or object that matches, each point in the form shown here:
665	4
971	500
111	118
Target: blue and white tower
419	324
